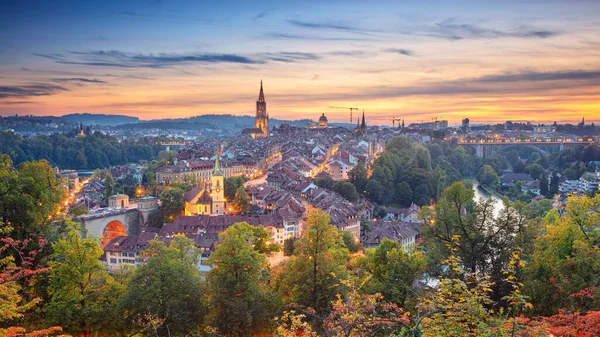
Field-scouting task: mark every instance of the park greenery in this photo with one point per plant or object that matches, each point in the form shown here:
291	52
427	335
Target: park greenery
529	271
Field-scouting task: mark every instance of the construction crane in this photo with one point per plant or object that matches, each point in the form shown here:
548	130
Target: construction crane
394	121
344	107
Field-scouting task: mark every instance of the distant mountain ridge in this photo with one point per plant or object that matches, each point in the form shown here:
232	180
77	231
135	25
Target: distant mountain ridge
99	119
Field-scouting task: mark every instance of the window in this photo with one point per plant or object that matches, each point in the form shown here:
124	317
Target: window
113	260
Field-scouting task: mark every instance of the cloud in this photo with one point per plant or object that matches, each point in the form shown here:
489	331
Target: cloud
312	37
120	59
354	53
17	102
29	90
56	57
137	77
289	57
263	14
78	79
330	26
452	29
399	51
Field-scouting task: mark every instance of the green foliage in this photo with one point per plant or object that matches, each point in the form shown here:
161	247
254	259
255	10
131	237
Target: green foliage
90	152
486	242
325	182
166	295
458	307
172	203
350	242
29	194
564	269
487	176
241	202
393	271
359	176
82	293
231	186
534	170
109	186
288	246
403	194
346	190
311	278
241	303
403	173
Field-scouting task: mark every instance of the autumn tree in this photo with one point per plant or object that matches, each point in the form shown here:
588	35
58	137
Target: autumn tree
166	296
458	305
564	269
311	278
241	302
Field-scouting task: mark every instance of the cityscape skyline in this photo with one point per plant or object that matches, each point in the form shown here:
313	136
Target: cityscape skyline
520	60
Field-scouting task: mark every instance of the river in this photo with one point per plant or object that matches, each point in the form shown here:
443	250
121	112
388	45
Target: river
480	193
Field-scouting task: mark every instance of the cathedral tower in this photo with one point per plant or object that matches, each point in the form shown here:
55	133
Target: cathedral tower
262	118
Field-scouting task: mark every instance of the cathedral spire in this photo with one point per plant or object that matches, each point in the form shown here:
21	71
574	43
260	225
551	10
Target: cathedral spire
363	124
261	96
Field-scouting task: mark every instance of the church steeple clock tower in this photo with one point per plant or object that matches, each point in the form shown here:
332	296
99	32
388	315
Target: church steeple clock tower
217	186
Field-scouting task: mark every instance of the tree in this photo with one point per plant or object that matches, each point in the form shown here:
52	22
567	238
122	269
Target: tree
564	268
109	185
534	170
487	176
403	194
241	303
458	307
346	190
350	242
421	195
288	246
375	190
325	181
311	278
231	186
519	167
166	295
359	176
82	293
554	184
486	242
241	202
544	188
393	270
171	203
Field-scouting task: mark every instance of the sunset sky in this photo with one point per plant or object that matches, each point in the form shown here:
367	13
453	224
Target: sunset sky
491	61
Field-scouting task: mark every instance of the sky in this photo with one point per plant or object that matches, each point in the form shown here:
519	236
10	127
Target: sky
490	61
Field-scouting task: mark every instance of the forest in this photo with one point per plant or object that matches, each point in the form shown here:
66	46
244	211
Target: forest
518	274
77	153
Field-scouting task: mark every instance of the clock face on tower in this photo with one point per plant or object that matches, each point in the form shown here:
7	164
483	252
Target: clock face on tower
218	190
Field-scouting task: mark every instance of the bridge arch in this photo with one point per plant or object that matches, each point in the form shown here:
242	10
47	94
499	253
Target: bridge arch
111	230
514	146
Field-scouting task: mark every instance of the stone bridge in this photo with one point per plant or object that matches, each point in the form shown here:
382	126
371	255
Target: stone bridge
489	147
112	223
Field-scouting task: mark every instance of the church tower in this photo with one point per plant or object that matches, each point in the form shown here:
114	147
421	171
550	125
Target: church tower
217	186
262	118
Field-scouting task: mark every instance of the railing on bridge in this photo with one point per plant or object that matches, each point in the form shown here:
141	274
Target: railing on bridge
507	141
